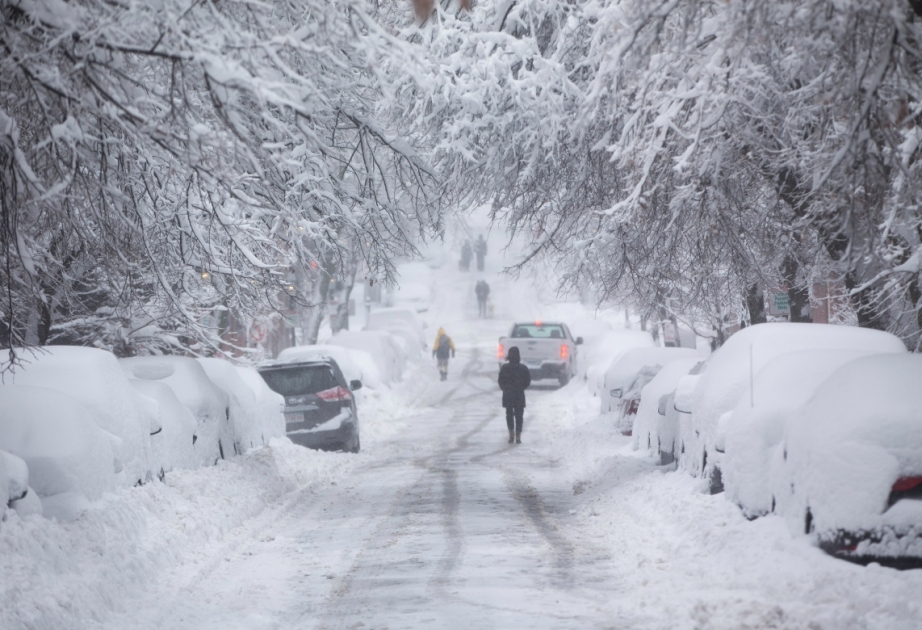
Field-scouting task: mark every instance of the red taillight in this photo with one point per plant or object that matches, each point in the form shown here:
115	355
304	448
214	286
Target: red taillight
501	353
564	351
906	484
334	394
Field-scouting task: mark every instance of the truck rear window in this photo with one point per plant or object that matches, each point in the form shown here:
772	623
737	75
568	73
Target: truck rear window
544	331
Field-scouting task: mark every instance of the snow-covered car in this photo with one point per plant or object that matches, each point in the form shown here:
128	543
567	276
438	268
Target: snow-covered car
173	446
595	357
15	492
656	425
320	410
403	323
93	377
726	378
251	426
756	426
623	372
548	349
69	458
854	462
388	354
207	402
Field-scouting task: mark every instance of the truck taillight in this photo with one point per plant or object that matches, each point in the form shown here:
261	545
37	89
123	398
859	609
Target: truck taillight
564	351
334	394
501	353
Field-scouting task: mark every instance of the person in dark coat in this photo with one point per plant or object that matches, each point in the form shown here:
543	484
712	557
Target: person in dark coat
514	379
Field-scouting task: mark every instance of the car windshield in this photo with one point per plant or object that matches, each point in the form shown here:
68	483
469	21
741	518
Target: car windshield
538	331
297	380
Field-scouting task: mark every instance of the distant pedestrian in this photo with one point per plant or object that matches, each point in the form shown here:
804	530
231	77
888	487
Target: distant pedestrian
465	264
441	350
482	289
480	248
514	379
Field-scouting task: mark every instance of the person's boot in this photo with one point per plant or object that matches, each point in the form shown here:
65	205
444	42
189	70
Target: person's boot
518	438
511	437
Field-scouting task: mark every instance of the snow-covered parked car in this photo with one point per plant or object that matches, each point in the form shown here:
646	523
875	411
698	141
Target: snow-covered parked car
756	427
854	462
388	354
726	377
320	409
15	492
173	446
595	357
403	323
207	402
69	458
250	425
656	425
622	374
93	377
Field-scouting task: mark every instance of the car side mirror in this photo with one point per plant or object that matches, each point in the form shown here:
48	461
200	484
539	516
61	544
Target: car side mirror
355	384
616	393
579	341
685	393
663	401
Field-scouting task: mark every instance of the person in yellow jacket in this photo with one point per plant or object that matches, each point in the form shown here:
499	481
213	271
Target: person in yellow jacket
441	349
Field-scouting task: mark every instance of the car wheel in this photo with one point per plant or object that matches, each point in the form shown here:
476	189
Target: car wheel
357	447
564	379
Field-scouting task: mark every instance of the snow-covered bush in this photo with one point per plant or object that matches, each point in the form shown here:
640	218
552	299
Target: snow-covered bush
853	457
69	458
386	351
93	377
252	426
172	446
207	402
729	370
652	430
755	428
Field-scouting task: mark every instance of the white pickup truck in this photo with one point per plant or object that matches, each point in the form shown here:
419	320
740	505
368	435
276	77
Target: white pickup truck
547	349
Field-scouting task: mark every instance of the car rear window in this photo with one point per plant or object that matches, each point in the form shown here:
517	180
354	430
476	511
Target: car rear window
543	331
296	380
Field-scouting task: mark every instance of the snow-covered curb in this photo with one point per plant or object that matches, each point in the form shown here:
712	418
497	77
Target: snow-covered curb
56	574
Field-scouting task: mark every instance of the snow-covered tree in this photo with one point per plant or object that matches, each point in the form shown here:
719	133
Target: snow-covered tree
160	160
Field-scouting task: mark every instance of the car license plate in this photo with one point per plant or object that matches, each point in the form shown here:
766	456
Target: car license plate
291	418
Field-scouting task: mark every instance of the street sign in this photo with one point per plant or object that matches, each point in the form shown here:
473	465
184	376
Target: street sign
779	304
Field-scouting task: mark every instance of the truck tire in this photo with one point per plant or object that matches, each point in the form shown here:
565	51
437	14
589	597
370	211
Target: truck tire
564	379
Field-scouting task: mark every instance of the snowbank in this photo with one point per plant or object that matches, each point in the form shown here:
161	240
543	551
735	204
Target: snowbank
65	575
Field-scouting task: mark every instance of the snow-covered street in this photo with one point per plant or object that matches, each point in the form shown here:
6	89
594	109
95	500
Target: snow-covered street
439	523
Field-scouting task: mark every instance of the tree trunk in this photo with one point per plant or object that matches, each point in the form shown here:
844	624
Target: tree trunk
755	304
798	296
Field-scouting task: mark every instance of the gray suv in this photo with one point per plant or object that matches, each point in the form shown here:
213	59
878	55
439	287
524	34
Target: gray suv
319	404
